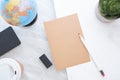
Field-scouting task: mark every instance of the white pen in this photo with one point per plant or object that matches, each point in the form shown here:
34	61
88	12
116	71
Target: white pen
83	41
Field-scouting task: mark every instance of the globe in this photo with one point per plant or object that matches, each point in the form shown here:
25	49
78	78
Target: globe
18	12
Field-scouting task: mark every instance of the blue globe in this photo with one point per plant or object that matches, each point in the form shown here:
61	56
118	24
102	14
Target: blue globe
18	12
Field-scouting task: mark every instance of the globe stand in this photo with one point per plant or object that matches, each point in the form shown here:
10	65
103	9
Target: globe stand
34	20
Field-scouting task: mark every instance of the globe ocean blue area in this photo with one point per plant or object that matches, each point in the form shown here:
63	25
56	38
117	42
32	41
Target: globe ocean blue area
18	12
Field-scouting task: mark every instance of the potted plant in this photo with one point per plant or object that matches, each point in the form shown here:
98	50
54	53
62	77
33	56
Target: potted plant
108	10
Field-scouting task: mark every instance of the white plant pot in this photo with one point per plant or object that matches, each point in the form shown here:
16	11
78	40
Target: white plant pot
101	18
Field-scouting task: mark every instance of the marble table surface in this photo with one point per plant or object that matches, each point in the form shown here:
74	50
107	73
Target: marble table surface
34	44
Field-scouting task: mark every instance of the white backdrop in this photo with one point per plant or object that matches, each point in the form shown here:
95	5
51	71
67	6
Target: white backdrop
103	40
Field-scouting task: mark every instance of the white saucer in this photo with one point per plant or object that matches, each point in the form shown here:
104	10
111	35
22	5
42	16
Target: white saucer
15	67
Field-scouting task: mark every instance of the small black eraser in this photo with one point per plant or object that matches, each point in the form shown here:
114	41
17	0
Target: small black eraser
45	61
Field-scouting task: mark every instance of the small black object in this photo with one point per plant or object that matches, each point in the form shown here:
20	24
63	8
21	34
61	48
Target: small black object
45	61
8	40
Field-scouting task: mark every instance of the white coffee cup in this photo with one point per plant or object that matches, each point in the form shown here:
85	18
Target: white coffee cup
10	69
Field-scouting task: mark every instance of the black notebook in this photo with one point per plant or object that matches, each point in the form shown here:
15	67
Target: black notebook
8	40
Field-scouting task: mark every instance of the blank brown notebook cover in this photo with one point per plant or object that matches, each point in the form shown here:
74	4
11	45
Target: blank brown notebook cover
66	47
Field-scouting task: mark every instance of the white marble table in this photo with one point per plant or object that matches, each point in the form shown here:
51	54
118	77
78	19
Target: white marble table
34	44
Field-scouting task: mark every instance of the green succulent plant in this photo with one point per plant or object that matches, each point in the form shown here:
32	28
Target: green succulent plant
110	9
